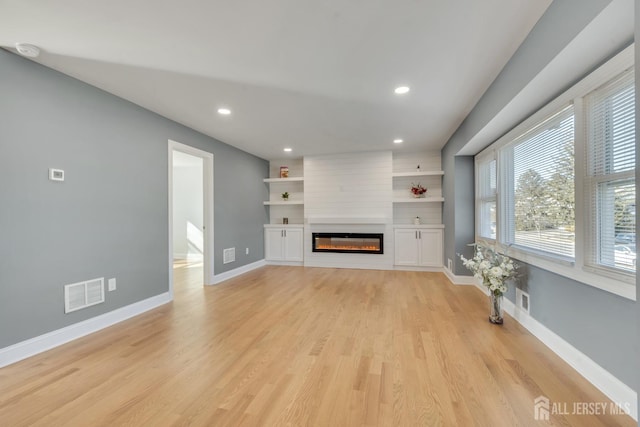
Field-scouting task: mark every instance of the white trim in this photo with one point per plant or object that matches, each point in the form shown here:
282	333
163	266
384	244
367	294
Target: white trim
207	189
218	278
287	263
458	280
22	350
418	268
576	273
602	379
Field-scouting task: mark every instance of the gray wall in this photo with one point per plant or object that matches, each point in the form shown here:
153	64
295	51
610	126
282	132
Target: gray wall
109	218
599	324
458	187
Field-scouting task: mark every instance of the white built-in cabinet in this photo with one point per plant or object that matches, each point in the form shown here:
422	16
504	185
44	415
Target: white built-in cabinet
284	243
418	247
418	168
293	208
414	245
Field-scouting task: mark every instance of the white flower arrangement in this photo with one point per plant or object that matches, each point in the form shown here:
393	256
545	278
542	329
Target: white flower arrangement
492	268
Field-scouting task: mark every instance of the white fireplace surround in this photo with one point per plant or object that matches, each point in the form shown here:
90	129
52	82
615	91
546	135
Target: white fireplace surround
352	220
382	261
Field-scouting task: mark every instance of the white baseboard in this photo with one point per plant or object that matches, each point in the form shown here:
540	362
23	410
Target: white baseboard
608	384
286	263
426	269
458	280
237	271
16	352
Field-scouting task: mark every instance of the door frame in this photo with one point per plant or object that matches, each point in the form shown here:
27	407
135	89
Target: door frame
207	199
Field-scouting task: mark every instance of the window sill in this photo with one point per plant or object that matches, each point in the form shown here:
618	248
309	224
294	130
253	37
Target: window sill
616	283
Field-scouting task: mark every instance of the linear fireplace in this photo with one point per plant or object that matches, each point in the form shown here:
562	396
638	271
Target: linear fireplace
355	243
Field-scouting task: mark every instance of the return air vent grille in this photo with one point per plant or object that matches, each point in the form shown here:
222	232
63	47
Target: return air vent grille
83	294
228	255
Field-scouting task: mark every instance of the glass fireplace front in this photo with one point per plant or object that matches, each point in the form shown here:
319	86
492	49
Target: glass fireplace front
356	243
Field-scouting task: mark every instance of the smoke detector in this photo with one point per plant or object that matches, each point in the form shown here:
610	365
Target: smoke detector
28	50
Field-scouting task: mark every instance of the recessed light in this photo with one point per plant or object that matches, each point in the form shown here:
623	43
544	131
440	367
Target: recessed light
401	90
28	50
398	141
288	150
224	111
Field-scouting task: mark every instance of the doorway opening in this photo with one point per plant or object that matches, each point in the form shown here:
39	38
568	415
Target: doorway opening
190	216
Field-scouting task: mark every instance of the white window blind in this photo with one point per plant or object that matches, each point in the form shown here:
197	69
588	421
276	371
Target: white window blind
541	208
486	198
610	180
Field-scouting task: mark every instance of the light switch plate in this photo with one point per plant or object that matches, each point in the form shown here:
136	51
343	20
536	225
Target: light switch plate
112	284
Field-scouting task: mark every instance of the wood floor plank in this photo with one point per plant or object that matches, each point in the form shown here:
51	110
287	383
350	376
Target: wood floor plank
301	346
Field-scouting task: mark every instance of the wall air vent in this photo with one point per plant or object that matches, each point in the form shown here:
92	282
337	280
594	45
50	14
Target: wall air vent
83	294
228	255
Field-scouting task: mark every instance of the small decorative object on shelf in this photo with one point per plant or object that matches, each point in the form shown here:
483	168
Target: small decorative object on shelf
418	190
494	270
418	168
284	171
285	196
416	220
285	220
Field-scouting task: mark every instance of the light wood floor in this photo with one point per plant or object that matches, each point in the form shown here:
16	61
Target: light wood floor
301	346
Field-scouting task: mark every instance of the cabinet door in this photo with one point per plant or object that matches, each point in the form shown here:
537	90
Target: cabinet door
274	244
406	247
293	244
430	248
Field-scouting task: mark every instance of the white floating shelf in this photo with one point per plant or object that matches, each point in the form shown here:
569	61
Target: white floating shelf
426	226
290	179
420	200
344	220
282	202
415	173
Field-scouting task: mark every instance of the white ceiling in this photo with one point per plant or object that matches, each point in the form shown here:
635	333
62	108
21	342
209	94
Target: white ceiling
317	76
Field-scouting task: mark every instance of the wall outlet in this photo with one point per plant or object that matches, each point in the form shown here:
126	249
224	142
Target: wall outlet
56	174
523	301
246	251
112	284
449	264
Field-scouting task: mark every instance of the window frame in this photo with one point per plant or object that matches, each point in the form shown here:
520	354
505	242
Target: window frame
481	198
508	192
610	280
591	183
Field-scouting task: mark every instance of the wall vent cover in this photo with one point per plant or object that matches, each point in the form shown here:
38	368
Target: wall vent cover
83	294
228	255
